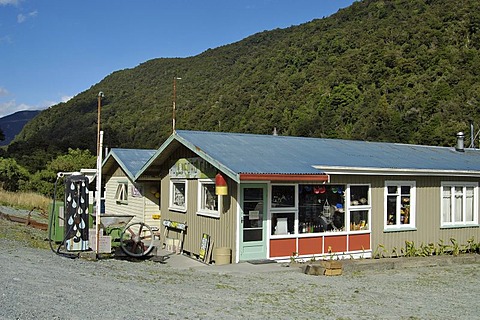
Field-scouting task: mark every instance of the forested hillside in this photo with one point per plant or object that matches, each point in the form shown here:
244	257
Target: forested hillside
399	71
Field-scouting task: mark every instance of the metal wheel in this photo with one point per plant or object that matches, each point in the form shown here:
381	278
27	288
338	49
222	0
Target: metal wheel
136	240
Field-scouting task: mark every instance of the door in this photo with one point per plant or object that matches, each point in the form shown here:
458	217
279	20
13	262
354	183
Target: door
253	222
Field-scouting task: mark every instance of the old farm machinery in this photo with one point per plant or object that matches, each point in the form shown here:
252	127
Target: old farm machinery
72	225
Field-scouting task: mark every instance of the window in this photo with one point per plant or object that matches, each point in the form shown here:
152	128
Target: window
178	195
359	207
121	195
399	204
207	199
321	208
283	196
283	205
459	204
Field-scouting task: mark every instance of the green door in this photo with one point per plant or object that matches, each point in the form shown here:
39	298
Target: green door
253	222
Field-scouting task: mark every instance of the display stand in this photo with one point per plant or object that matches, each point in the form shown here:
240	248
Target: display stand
178	227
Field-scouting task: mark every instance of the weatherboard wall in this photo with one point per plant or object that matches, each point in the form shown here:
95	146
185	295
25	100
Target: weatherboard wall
143	206
427	216
222	230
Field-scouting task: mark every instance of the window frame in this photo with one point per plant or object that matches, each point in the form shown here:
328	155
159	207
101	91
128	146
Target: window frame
171	205
464	223
121	193
358	207
273	210
398	226
200	208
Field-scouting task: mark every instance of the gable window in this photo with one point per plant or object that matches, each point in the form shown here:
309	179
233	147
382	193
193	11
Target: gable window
121	195
207	199
399	205
178	195
459	204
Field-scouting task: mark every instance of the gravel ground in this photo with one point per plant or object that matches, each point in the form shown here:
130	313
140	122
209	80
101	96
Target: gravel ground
37	284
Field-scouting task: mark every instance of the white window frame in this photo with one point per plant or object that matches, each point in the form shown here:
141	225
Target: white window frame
171	203
288	210
201	210
413	200
360	207
463	222
121	194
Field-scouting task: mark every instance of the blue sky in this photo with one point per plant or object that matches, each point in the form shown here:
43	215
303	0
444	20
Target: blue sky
51	50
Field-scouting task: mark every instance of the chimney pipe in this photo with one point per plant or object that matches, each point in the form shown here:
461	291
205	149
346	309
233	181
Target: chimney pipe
460	142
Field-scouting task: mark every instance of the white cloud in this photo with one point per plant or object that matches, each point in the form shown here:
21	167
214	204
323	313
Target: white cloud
3	92
5	39
9	2
11	106
66	98
21	18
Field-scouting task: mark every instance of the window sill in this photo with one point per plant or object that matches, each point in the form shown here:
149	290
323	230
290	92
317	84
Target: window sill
283	236
121	202
459	226
182	210
399	229
213	214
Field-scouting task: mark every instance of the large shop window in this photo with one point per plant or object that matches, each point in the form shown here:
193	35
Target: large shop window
459	204
178	195
121	194
399	205
207	199
283	207
321	208
359	207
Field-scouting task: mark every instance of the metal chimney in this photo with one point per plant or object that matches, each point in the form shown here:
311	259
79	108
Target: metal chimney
460	142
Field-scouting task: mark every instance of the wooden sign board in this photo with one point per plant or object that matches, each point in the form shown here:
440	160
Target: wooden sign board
204	246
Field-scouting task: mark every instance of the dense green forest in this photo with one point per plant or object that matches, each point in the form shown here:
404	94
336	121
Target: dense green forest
399	71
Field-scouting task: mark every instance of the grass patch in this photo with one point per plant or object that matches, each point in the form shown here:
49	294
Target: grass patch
31	237
24	200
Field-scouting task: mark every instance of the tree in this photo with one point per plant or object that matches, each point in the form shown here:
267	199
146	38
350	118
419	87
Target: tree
43	181
75	160
12	175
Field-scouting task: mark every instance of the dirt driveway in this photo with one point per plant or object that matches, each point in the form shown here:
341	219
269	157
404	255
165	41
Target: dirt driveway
37	284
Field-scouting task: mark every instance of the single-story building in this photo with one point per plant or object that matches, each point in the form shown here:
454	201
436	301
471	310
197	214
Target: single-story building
298	197
125	196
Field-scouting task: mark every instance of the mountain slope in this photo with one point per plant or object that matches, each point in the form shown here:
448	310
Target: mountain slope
12	124
399	71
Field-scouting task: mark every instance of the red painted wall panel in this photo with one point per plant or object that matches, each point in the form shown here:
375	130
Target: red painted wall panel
359	242
310	246
282	247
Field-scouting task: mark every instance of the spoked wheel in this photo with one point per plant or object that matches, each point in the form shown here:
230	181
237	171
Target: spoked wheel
136	240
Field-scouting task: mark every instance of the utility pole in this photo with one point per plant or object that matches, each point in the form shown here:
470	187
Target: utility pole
174	101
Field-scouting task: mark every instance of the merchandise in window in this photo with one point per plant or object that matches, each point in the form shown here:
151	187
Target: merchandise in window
178	195
400	204
283	223
359	220
321	208
359	195
459	204
208	200
283	196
